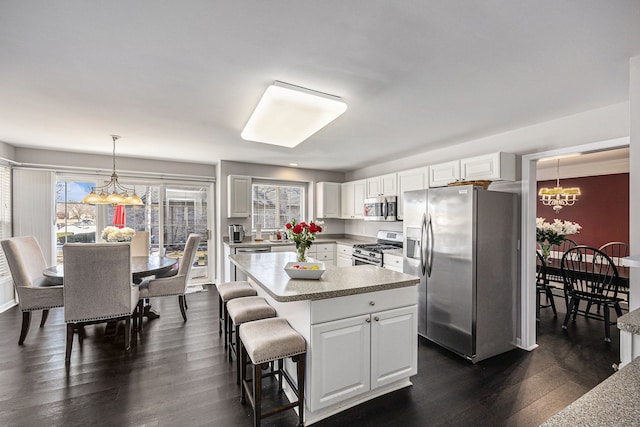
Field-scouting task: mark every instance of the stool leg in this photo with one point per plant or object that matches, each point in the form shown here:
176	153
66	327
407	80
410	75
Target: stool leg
238	355
302	362
220	316
280	374
230	335
257	394
243	373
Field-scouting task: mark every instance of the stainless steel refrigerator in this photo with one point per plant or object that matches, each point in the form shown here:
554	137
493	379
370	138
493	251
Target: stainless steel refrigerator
462	242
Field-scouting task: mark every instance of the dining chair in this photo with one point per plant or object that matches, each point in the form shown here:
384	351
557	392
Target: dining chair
616	251
140	244
173	285
26	263
97	288
590	275
542	287
560	250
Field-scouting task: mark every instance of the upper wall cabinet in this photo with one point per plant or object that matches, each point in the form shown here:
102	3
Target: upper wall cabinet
409	180
442	174
494	166
353	195
385	185
328	199
238	196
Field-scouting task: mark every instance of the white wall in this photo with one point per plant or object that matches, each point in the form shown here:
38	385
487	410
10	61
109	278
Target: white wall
7	151
104	163
634	177
591	126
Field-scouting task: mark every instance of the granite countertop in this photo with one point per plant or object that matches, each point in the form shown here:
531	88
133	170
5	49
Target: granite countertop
613	402
339	239
630	322
267	270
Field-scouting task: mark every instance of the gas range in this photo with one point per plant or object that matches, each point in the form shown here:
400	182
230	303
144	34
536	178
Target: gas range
371	253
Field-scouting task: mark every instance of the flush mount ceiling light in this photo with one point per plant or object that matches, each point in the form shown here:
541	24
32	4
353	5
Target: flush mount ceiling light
287	115
119	195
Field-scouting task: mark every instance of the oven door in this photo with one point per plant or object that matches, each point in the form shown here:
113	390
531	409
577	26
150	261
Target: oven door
360	260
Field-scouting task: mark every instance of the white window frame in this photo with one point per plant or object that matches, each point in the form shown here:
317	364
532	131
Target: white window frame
278	183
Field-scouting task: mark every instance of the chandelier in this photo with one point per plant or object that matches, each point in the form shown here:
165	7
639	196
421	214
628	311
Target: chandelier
558	197
112	193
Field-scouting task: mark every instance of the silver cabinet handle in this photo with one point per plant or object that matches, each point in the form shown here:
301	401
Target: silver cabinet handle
376	318
372	303
368	320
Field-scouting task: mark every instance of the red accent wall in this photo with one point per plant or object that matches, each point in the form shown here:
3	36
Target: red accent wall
602	210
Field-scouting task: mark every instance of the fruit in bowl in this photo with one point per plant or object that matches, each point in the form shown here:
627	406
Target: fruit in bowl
304	270
306	267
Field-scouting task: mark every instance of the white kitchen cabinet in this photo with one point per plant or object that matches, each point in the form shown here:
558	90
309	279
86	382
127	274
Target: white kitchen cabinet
383	185
392	262
324	252
341	366
353	195
409	180
391	330
328	199
343	258
494	167
238	196
443	173
361	353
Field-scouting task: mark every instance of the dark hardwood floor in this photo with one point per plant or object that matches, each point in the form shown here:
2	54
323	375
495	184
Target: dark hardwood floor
177	374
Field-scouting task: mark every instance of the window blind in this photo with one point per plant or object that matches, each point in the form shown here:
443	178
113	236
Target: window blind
5	214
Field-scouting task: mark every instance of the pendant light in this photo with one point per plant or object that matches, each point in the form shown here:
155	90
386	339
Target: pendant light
113	193
557	197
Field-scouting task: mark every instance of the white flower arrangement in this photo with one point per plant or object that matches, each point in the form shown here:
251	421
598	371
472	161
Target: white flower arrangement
550	234
115	234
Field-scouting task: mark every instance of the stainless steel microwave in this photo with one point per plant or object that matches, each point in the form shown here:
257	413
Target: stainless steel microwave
383	208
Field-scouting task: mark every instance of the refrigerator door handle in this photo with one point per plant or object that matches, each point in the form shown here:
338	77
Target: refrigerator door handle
423	235
430	246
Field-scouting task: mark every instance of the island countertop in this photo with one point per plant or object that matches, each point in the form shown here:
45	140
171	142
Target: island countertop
267	270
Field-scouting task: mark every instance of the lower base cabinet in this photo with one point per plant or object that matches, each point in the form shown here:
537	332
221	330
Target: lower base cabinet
357	354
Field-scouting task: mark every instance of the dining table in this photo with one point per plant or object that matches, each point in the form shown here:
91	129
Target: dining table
141	267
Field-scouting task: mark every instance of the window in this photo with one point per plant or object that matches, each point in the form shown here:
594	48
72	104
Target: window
5	214
275	204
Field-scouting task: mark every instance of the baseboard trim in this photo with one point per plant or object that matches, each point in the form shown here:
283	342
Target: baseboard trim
7	305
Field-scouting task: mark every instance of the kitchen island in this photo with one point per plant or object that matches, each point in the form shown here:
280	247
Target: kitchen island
360	325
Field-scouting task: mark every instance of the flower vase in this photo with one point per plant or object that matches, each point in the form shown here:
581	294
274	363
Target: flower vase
546	252
301	249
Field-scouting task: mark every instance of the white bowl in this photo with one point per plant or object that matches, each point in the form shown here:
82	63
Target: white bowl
304	273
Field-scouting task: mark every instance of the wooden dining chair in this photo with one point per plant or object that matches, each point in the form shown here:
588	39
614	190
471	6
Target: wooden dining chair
97	287
542	287
560	250
590	275
26	262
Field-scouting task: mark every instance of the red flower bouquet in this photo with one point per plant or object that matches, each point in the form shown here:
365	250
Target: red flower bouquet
303	235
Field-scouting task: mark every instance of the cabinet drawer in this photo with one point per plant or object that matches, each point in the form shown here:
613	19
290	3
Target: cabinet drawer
354	305
345	250
393	262
324	256
324	247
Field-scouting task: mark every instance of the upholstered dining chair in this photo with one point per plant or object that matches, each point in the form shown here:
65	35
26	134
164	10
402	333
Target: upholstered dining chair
26	262
140	244
173	285
97	287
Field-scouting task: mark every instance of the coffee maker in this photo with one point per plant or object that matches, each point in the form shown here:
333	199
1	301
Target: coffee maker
236	233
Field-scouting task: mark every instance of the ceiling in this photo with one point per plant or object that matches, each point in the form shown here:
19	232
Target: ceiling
179	80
